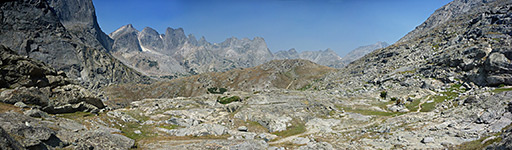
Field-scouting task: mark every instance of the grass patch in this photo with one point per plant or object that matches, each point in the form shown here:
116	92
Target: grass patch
76	115
499	90
137	115
295	129
407	72
252	126
477	144
450	94
413	106
130	127
169	127
305	87
227	100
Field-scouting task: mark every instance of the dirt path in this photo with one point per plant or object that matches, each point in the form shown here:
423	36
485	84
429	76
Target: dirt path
421	103
289	85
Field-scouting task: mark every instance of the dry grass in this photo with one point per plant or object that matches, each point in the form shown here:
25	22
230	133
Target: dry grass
246	79
251	126
4	107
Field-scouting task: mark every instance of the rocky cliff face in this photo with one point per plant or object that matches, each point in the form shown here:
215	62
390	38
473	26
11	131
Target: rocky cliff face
444	14
25	81
361	51
65	35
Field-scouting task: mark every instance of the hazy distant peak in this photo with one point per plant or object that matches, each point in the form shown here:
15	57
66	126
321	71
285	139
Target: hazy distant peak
382	44
258	39
363	50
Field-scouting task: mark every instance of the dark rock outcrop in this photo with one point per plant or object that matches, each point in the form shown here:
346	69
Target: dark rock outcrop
31	82
23	132
66	36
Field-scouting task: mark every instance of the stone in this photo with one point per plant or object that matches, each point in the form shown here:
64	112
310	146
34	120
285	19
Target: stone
301	140
199	130
427	140
36	113
242	128
137	132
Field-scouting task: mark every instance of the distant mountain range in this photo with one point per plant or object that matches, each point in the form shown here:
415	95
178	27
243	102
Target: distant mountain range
361	51
174	54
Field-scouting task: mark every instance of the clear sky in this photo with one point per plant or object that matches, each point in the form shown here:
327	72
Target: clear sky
341	25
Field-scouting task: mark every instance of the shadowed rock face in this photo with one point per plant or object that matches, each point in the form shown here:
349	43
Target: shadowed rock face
33	83
65	35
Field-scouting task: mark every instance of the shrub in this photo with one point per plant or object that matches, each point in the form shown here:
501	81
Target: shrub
383	94
394	99
215	90
227	100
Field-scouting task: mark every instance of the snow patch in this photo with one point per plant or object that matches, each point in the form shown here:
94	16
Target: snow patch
149	50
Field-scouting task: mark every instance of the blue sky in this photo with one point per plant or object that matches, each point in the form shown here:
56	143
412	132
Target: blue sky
341	25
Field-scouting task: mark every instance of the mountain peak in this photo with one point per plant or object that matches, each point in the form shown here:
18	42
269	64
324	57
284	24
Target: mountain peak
149	30
122	30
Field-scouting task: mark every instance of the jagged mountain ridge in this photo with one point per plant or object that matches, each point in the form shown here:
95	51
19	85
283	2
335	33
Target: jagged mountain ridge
65	35
175	54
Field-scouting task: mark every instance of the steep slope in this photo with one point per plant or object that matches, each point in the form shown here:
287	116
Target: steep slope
444	14
65	36
472	48
361	51
283	74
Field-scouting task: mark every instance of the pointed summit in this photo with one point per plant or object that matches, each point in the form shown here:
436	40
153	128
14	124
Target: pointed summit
122	30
